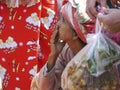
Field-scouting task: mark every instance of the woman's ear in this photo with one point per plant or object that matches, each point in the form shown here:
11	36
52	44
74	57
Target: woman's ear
75	36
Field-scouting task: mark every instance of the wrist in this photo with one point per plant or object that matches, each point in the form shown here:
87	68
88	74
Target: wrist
51	61
49	67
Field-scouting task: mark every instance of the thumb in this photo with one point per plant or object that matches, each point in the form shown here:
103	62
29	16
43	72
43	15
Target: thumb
103	20
100	16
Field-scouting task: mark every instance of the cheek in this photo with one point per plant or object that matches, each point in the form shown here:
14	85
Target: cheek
65	35
61	34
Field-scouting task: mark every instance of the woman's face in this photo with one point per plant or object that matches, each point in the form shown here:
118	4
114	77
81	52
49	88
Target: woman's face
65	30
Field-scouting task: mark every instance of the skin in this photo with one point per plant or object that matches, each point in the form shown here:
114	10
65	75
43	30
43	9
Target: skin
91	7
111	20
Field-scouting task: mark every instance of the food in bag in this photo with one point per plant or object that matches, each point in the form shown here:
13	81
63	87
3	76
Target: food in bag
102	53
77	76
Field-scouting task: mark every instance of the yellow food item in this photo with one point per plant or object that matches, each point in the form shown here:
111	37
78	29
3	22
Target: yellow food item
82	82
70	70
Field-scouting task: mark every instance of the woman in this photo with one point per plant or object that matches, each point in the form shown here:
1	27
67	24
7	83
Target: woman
72	35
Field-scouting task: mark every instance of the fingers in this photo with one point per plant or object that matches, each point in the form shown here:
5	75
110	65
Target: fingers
54	37
91	9
92	13
103	20
104	16
52	41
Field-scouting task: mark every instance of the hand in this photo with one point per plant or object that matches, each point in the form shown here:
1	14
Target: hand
111	20
91	7
55	43
56	48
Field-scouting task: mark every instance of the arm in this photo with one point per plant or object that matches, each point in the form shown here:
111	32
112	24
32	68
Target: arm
52	80
46	79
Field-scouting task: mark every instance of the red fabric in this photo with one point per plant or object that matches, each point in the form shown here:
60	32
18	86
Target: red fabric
17	3
18	57
45	33
64	1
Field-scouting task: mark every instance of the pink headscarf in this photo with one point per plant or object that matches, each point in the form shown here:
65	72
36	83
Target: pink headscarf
76	20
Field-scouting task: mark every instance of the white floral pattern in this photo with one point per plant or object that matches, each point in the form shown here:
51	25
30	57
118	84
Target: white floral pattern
2	72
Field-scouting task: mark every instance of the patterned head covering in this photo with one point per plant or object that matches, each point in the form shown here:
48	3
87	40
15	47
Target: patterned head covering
74	12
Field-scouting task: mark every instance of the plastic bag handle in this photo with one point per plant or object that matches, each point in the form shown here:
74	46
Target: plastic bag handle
98	26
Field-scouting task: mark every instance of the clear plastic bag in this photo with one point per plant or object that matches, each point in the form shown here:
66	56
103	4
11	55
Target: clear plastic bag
91	68
102	53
